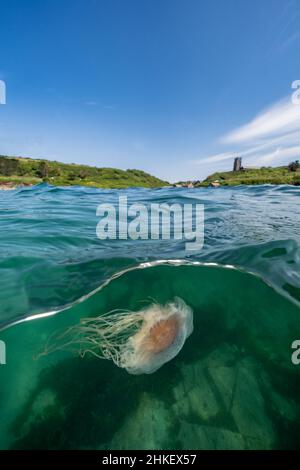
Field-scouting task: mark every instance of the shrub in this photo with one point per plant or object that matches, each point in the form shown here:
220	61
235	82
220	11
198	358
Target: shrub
294	166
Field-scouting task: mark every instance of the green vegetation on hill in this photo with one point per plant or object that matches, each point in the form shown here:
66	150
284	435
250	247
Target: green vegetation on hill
18	170
278	175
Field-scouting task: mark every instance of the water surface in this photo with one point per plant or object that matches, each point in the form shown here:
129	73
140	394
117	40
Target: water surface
233	384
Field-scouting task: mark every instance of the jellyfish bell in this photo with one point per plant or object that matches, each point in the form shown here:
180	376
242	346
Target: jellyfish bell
140	342
162	335
160	338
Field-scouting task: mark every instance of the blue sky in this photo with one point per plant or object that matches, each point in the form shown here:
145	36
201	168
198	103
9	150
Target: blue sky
173	87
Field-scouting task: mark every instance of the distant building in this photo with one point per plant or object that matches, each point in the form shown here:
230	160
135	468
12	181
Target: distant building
237	165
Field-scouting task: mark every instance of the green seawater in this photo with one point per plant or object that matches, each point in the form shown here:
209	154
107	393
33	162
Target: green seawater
232	386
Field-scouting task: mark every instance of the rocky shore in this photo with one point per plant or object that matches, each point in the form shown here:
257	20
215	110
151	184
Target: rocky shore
8	185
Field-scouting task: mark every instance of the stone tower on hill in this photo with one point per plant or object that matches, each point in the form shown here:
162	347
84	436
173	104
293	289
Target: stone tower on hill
237	165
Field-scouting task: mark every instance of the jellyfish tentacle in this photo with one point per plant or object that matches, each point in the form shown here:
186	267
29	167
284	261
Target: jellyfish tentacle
140	342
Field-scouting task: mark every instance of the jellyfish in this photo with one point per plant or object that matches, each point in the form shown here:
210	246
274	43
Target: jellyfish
140	342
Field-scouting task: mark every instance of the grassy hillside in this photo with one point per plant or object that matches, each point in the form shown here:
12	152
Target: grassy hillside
17	170
279	175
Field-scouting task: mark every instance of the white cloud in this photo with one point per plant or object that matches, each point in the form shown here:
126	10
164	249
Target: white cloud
273	136
278	154
280	118
214	158
256	151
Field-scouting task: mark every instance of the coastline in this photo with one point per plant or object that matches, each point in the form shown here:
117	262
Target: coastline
9	185
18	172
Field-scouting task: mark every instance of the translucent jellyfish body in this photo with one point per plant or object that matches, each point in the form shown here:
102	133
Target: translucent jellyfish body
159	339
140	342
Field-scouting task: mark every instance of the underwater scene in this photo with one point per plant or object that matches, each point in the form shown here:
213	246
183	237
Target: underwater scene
140	344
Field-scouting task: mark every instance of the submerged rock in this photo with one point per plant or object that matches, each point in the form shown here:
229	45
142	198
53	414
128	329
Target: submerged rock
248	409
220	403
194	398
288	410
44	406
193	437
224	379
147	428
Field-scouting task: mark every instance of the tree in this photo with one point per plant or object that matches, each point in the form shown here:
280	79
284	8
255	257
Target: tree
43	170
83	174
8	166
294	166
